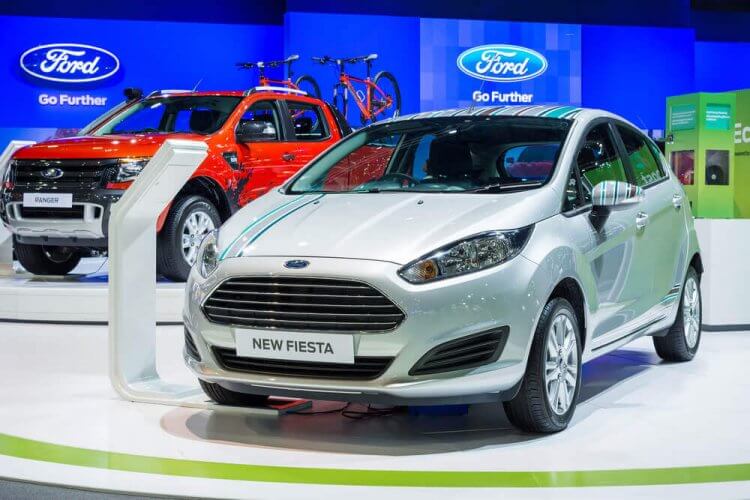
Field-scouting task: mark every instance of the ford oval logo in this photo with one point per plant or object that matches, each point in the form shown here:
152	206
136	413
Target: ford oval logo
52	173
296	264
69	62
502	63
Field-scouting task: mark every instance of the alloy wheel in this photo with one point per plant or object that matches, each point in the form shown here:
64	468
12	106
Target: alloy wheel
197	225
561	364
691	312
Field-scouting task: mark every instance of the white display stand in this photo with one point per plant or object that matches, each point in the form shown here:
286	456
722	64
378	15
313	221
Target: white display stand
6	241
725	251
132	275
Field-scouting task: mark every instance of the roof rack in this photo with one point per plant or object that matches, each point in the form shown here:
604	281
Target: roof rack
168	91
269	88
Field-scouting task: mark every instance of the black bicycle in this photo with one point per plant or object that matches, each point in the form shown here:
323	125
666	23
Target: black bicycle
380	98
305	83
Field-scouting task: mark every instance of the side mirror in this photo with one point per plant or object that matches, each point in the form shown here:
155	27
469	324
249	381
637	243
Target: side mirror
613	194
249	131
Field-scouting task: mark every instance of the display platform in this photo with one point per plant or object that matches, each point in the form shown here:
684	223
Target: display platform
644	428
80	297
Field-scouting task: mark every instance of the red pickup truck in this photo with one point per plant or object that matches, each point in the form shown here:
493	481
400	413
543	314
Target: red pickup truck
56	195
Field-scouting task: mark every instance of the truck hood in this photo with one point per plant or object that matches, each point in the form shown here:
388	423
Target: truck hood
90	147
393	227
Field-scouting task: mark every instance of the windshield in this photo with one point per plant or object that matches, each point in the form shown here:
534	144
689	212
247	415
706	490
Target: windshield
459	154
172	114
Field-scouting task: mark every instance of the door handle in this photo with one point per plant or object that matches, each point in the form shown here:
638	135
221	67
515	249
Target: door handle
641	220
677	201
288	157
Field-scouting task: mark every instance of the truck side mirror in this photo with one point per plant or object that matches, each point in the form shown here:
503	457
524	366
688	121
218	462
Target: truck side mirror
250	131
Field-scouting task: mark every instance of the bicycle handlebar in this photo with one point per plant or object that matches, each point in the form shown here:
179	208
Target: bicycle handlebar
268	64
347	60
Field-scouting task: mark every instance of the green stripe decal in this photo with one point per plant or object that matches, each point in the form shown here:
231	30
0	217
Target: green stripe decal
255	223
18	447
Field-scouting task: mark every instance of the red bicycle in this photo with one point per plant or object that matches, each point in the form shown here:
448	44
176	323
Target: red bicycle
380	98
305	83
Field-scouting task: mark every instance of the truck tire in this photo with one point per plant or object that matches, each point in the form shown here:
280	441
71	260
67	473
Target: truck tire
189	220
44	260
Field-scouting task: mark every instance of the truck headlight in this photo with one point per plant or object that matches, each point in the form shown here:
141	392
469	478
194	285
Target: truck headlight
208	254
129	168
467	256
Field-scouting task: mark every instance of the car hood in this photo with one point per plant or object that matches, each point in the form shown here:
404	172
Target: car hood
90	147
393	227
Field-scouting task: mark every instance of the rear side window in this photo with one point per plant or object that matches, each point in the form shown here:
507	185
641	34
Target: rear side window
308	120
646	168
598	160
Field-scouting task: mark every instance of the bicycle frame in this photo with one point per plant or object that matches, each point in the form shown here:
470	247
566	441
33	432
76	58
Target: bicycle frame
372	89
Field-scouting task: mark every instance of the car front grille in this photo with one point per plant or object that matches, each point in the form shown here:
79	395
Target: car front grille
71	174
297	303
463	353
364	367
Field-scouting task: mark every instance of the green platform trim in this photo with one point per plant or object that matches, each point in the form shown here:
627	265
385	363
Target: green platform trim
18	447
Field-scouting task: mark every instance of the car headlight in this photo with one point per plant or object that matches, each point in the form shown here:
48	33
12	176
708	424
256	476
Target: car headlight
208	254
467	256
5	181
129	168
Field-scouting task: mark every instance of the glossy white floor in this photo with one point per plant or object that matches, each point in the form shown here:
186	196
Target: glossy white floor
60	422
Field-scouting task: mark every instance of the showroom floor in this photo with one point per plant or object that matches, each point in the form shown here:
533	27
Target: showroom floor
61	423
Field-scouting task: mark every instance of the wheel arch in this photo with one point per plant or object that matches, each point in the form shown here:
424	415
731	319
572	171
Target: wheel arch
696	262
210	189
569	289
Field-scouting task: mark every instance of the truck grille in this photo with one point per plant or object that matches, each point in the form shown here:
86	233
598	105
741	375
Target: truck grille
292	303
75	212
76	174
364	367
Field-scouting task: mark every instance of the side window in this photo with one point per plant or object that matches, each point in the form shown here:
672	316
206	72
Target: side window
263	112
308	120
598	160
646	168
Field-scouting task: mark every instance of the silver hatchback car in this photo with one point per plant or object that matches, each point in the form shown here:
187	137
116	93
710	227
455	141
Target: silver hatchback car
450	257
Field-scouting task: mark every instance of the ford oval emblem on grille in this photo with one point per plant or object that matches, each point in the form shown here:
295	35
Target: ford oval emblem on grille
52	173
296	264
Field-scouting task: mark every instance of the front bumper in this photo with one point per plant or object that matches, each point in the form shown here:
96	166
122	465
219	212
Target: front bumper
503	296
87	228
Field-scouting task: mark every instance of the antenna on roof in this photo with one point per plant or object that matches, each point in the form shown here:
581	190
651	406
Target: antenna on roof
474	102
196	85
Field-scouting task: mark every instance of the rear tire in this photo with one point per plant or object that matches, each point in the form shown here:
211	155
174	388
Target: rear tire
395	109
171	259
308	84
43	260
531	410
684	337
231	398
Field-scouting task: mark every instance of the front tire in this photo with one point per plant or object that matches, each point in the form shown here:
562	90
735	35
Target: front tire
231	398
44	260
189	220
549	391
684	337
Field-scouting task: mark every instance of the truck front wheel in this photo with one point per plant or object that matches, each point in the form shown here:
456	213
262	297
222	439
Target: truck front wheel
189	220
46	260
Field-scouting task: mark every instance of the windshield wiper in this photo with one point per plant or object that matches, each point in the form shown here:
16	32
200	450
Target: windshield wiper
500	188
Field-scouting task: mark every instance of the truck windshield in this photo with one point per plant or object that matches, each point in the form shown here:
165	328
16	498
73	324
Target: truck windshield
458	154
172	114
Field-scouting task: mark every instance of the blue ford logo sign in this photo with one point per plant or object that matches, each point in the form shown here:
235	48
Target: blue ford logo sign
502	63
296	264
69	63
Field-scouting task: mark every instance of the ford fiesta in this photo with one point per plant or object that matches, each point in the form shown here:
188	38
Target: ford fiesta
450	257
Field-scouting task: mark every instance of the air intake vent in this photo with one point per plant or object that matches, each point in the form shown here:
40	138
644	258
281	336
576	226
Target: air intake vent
461	354
190	347
295	303
364	368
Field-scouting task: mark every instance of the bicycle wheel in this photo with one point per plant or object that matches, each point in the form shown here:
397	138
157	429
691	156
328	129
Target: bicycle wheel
340	100
386	88
308	84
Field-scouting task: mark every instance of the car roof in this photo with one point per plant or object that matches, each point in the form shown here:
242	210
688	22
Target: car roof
563	112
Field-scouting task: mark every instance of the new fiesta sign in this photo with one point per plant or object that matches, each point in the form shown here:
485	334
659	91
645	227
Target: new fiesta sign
69	63
502	63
